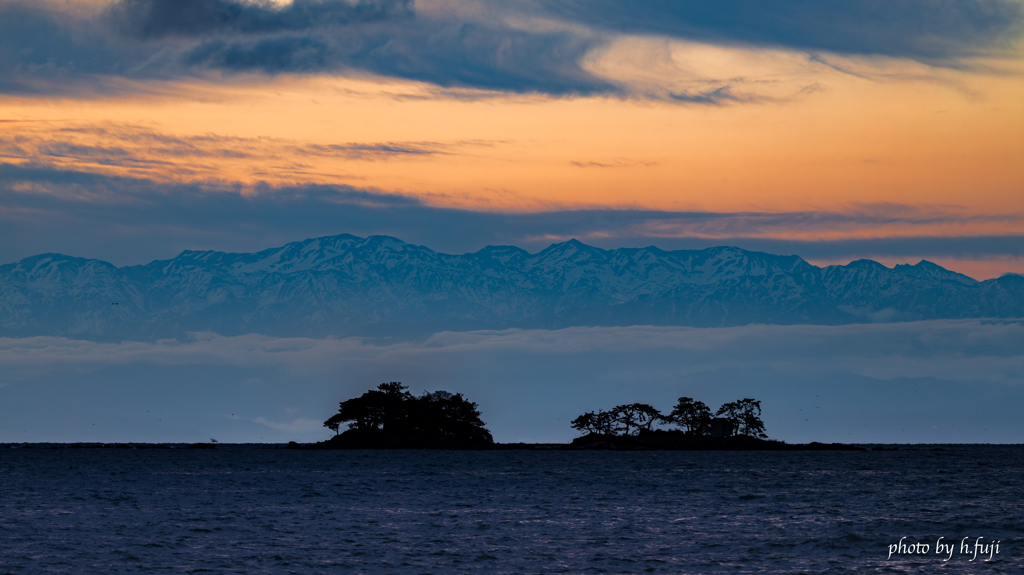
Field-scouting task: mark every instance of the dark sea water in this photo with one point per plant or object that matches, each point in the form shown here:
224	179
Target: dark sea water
258	509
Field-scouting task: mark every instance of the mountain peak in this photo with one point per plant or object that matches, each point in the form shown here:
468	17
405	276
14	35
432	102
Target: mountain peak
927	269
344	285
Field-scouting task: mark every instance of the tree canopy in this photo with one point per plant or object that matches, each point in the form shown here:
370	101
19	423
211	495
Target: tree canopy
693	416
627	419
690	416
391	414
745	415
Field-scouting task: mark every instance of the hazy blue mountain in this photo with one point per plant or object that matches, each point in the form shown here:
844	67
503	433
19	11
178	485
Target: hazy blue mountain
380	286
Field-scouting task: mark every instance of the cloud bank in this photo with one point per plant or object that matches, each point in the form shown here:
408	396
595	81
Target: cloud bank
152	39
942	381
919	29
525	46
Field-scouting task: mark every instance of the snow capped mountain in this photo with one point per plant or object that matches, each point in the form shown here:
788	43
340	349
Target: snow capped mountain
380	286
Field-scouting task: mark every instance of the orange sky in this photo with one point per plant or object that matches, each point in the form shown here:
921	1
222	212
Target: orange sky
811	138
851	140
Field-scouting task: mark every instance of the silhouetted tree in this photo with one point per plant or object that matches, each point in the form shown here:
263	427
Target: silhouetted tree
442	415
627	419
585	423
390	412
745	416
333	424
381	409
693	416
635	417
602	422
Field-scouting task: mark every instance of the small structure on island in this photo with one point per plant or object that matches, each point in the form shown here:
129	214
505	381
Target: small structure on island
722	427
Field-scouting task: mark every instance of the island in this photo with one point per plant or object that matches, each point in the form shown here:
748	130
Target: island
735	426
390	417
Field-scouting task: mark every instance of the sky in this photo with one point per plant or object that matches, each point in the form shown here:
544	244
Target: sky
134	129
131	130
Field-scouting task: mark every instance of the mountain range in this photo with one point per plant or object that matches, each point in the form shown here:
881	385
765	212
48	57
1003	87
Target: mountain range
380	286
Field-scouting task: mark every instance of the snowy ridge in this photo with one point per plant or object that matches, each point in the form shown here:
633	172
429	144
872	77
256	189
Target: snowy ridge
380	286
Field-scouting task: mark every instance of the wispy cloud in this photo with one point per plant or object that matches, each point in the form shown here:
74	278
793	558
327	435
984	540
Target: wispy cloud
717	96
610	164
139	151
916	344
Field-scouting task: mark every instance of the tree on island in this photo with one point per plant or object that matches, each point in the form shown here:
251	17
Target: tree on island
638	416
390	414
745	415
448	417
383	409
629	419
692	417
601	423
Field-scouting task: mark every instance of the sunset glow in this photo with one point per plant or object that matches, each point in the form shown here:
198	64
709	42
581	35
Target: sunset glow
926	148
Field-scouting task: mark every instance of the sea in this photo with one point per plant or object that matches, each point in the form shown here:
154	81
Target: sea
264	509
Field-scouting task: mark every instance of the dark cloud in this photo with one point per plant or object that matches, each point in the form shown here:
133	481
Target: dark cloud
447	54
135	220
920	29
150	19
42	50
272	55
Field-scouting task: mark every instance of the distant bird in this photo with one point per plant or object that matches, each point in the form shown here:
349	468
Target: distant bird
115	303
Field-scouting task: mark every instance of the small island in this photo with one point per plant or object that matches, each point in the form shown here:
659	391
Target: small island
736	426
390	417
